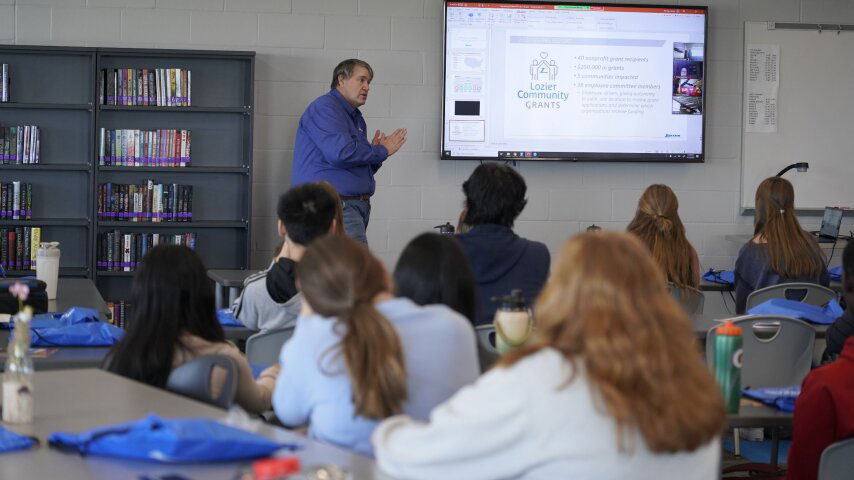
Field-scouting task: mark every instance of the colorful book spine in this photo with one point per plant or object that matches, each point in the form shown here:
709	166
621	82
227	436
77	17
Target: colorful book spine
4	83
164	87
164	147
122	251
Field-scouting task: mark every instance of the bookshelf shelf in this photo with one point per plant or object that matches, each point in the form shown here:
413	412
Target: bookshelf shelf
151	108
47	167
63	272
174	225
48	222
112	273
241	170
50	106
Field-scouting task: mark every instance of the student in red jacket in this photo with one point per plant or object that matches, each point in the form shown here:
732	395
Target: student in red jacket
824	413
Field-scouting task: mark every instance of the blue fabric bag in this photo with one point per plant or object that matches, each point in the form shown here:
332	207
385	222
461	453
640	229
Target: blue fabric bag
724	277
792	308
835	273
186	440
77	327
227	319
779	398
11	441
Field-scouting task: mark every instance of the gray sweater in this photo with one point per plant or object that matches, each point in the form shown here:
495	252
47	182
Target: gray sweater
258	311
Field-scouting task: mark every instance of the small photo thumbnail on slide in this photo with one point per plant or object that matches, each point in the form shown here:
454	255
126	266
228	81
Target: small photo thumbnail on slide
688	78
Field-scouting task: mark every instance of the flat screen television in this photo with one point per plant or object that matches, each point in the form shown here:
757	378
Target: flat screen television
574	82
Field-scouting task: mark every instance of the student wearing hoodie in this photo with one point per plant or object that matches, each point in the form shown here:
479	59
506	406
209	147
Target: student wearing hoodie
500	259
270	299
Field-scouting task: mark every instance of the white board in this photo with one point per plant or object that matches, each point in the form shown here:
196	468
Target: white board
814	117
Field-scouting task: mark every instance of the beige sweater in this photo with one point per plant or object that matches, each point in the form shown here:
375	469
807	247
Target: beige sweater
253	395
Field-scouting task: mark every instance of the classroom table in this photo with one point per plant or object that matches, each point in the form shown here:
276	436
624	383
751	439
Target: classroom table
228	284
762	416
78	400
78	292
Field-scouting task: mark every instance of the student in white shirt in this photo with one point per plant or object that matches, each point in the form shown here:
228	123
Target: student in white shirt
612	387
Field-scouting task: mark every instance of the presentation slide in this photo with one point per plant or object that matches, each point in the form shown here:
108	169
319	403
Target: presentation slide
573	82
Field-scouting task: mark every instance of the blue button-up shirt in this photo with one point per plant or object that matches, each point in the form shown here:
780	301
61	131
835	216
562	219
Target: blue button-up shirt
332	144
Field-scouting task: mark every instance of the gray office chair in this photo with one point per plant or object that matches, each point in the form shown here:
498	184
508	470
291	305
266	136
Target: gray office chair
777	350
486	352
193	379
809	293
691	299
263	348
837	461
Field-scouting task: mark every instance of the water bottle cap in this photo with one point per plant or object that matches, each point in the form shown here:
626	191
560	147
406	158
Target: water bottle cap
275	467
514	301
728	328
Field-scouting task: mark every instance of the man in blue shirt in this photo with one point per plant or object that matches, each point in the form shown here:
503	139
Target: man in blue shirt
332	144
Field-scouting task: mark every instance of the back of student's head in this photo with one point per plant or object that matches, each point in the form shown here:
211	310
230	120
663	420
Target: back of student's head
307	212
338	222
606	308
494	194
792	251
171	294
339	278
434	269
658	226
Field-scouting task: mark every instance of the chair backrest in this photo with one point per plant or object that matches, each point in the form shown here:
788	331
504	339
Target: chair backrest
809	293
778	350
837	461
691	299
194	379
486	352
263	348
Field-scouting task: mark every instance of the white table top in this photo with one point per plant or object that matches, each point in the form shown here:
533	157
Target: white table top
78	400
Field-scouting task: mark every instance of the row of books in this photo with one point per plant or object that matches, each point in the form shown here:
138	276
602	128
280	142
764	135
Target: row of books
120	312
163	87
16	201
18	247
146	202
20	144
163	147
121	252
4	82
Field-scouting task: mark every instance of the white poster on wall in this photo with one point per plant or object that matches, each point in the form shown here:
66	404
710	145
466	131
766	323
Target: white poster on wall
762	87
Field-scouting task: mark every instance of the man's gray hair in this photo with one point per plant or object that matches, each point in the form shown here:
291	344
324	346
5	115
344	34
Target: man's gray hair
345	69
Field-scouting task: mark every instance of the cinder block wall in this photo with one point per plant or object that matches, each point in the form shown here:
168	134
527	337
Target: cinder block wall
300	41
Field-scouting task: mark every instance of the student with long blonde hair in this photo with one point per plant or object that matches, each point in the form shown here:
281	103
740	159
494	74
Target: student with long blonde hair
658	225
359	354
612	386
780	250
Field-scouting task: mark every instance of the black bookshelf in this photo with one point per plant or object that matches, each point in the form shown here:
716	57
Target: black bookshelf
54	87
221	122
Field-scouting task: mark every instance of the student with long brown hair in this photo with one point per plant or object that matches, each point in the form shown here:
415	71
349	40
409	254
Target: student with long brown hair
658	226
359	354
780	250
611	387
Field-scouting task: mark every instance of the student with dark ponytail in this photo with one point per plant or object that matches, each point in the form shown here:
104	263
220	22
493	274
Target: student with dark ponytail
359	354
780	250
658	226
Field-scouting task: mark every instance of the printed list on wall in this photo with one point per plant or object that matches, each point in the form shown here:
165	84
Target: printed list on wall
761	88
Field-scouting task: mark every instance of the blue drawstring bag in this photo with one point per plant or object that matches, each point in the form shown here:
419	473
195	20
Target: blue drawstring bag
186	440
11	441
793	308
835	273
724	277
779	398
227	319
77	327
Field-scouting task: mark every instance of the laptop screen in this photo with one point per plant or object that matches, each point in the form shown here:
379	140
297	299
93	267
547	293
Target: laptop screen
831	222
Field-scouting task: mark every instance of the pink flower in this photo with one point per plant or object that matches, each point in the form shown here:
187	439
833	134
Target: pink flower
20	291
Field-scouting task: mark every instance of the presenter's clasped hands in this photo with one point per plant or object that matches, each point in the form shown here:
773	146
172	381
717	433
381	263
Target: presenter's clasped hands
392	142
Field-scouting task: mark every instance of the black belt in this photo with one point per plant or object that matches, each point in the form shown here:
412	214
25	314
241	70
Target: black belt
365	197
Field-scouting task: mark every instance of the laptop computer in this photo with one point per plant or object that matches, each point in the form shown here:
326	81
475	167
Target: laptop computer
830	223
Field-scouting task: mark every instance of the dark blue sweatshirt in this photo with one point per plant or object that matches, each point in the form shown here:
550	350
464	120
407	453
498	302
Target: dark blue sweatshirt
502	261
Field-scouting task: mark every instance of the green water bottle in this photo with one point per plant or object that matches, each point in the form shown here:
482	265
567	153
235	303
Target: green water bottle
728	361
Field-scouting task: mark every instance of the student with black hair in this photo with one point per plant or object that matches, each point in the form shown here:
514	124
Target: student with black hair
843	327
270	299
501	260
433	269
173	321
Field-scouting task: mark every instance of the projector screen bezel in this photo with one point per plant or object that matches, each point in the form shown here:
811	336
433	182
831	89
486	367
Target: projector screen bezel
582	156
